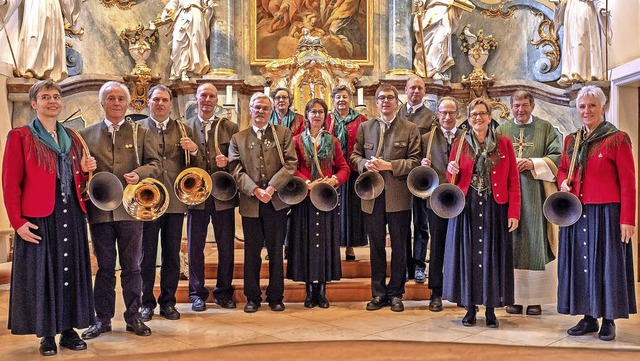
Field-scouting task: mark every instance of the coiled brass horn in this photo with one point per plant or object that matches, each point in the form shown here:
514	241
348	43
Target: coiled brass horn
447	200
369	185
193	185
564	208
423	180
147	200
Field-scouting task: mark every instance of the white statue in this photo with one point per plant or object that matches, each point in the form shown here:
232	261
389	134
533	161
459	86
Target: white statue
190	34
41	45
584	24
433	23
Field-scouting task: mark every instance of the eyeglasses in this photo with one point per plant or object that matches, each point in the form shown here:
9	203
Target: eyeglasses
48	97
448	113
282	97
478	115
316	112
388	98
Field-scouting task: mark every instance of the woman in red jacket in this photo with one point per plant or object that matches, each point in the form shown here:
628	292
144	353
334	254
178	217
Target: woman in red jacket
42	174
314	236
478	253
595	258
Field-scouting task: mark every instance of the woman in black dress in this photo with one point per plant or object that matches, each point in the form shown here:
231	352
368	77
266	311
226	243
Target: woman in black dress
43	170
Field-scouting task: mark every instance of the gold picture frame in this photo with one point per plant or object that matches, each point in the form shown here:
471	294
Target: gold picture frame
275	31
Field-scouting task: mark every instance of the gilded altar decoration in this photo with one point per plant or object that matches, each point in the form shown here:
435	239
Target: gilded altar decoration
549	43
140	40
477	47
345	28
121	4
499	11
311	72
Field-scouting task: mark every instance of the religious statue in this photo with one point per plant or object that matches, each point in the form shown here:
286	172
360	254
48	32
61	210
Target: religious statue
585	24
190	33
41	45
433	23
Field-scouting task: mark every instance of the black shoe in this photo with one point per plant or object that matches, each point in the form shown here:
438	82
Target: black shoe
350	257
419	276
310	297
70	339
276	306
470	318
198	305
251	307
226	303
377	303
534	310
490	319
138	327
396	304
321	295
514	309
48	346
169	312
96	330
436	304
586	325
607	331
146	314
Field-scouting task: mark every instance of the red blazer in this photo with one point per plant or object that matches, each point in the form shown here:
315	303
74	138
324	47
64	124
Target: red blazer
339	163
352	130
505	181
609	176
29	189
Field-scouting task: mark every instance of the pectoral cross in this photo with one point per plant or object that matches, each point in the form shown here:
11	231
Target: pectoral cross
520	144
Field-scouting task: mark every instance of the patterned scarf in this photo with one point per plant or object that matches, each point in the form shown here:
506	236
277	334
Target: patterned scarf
485	157
340	127
325	151
591	143
286	120
46	149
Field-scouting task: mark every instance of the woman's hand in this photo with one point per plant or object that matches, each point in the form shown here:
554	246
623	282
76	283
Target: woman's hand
25	233
88	163
453	168
627	231
564	186
513	224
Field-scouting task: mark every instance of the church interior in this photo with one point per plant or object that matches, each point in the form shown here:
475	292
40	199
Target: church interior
462	48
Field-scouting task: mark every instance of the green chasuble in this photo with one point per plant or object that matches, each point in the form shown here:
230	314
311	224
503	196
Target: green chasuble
531	250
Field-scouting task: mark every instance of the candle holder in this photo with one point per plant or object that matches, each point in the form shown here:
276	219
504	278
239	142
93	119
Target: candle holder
229	108
361	108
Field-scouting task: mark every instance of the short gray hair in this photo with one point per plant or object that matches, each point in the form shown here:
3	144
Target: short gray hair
592	91
451	99
102	94
257	96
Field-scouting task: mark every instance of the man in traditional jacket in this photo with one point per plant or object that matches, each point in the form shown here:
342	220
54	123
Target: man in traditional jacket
538	149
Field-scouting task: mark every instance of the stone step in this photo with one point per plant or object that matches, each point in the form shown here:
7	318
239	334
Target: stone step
345	290
356	269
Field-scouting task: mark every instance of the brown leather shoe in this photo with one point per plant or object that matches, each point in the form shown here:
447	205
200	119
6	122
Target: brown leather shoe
534	310
514	309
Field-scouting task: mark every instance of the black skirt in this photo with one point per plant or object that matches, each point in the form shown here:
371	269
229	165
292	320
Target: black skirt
313	254
595	268
51	281
478	260
352	232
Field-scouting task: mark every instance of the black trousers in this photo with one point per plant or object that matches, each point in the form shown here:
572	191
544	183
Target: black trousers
438	232
417	259
376	226
127	237
224	227
169	228
269	229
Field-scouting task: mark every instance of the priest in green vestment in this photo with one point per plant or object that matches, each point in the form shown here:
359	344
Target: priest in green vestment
538	147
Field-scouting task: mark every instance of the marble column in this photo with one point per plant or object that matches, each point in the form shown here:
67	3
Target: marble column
401	37
222	52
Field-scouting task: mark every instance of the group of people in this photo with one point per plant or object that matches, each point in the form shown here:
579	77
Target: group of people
503	174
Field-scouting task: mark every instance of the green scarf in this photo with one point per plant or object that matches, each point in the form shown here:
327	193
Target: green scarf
485	157
603	131
286	120
340	127
325	151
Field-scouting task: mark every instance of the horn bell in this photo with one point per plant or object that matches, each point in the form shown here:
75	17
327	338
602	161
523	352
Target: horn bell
324	197
192	186
224	186
147	200
105	191
369	185
447	201
562	209
422	181
294	192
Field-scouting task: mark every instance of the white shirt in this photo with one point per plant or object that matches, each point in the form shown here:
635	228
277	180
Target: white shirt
412	109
